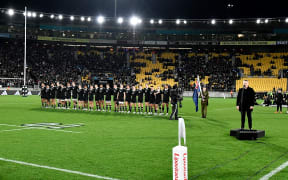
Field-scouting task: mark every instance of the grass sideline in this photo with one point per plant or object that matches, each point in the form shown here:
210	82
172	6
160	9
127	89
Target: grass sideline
139	147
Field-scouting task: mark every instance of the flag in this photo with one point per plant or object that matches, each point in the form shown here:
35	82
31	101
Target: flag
195	97
181	131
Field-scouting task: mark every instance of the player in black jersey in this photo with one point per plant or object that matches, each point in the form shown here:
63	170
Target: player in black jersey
147	96
151	100
80	97
158	100
128	99
68	96
47	96
43	95
97	98
121	98
115	93
58	94
91	98
63	96
85	97
74	95
134	99
140	94
166	99
53	95
101	92
108	94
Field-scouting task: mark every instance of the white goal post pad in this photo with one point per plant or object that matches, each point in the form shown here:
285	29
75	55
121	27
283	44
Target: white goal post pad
180	163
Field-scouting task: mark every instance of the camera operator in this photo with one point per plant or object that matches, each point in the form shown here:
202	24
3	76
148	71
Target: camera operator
176	96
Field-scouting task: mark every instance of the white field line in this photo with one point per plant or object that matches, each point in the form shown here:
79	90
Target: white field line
275	171
58	169
18	129
23	127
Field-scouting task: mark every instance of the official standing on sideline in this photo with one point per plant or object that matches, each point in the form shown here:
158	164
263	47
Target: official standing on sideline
174	103
204	102
245	103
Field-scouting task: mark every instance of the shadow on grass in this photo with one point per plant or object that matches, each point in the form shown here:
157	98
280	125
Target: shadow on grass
128	116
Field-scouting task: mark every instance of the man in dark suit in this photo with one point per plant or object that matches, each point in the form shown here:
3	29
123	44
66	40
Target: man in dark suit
245	103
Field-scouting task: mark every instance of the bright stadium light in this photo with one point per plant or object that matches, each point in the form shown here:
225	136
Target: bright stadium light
29	14
152	21
72	18
89	19
52	16
231	21
266	21
100	19
82	18
60	17
134	21
258	21
120	20
10	12
34	14
160	21
178	21
286	20
41	15
185	22
213	21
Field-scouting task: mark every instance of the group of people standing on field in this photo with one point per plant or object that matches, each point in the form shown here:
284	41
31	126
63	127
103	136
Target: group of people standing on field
99	98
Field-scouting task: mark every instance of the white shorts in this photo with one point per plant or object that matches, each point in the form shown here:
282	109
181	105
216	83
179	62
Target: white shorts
74	99
67	99
108	102
121	102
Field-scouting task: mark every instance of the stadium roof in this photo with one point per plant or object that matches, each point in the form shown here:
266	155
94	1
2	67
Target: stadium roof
158	8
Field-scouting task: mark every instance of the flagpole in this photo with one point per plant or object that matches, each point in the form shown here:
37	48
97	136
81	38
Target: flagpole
25	42
199	83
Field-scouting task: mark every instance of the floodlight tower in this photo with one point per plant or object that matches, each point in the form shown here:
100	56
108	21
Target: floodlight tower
115	10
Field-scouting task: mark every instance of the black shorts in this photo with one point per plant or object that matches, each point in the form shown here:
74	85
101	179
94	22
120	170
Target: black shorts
158	102
133	101
147	100
166	101
140	100
151	102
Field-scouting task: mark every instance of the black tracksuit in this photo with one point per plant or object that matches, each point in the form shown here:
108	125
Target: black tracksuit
279	101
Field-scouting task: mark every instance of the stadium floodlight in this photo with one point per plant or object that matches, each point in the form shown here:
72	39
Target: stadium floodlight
34	14
152	21
29	14
134	21
82	18
60	17
258	21
286	20
89	19
120	20
266	21
41	15
185	22
213	21
52	16
72	18
160	21
100	19
230	21
10	12
178	21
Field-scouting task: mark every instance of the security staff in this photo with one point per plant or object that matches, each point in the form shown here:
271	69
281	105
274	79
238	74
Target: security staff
174	103
245	103
204	102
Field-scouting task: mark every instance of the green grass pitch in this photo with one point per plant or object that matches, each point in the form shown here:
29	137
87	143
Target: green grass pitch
134	147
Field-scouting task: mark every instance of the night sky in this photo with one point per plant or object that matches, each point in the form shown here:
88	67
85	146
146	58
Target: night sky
171	9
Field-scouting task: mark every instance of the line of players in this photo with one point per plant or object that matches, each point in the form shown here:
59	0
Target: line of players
126	100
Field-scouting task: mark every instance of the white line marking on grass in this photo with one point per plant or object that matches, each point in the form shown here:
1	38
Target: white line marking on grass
40	128
275	171
57	169
18	129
